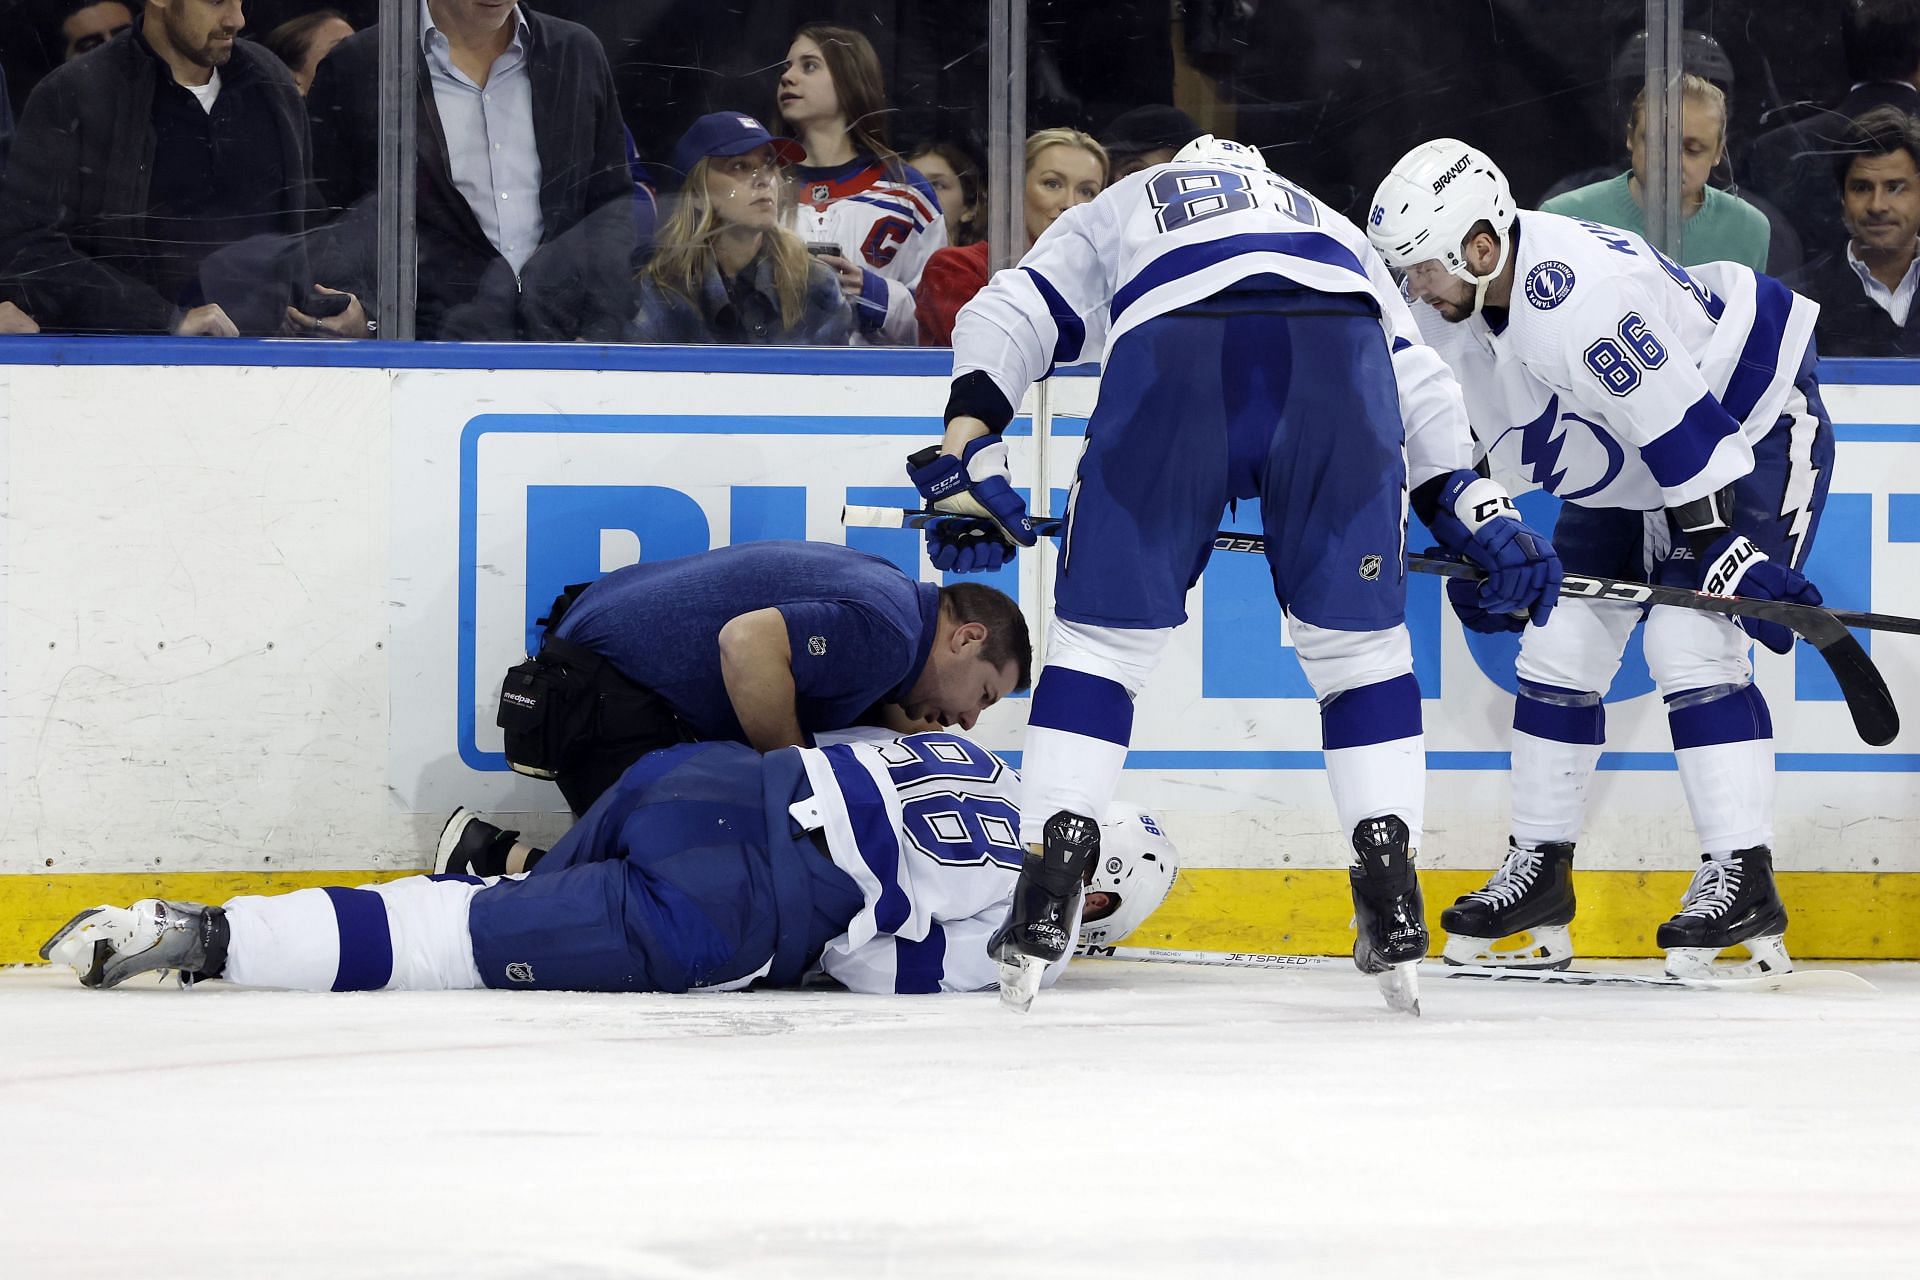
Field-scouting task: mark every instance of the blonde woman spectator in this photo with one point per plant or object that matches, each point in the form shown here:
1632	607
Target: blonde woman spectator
1718	226
1064	168
956	178
855	193
723	268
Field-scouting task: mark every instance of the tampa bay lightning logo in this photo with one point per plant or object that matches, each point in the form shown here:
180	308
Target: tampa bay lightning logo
1549	284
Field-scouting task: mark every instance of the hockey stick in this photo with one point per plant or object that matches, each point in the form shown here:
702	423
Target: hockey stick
1803	979
1875	718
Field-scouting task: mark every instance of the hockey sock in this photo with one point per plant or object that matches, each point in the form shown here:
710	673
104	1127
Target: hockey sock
1557	736
1723	747
1376	754
1077	734
408	934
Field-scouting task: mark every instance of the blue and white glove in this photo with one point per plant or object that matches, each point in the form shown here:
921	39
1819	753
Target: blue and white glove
1733	566
1477	522
978	484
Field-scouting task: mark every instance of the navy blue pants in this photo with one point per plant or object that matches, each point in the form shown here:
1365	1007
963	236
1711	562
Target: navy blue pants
687	872
1287	397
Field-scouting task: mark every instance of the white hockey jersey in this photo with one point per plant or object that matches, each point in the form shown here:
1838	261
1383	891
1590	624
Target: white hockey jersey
1170	236
891	225
1622	379
928	827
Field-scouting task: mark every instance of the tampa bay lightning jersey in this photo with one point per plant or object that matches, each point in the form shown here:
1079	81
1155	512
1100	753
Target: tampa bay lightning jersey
1622	379
1177	233
928	826
888	221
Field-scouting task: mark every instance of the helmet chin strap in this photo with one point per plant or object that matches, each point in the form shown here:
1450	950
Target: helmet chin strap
1480	283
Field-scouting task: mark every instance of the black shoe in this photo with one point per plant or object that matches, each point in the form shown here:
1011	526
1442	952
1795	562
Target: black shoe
470	846
1730	901
1531	893
1391	929
1037	931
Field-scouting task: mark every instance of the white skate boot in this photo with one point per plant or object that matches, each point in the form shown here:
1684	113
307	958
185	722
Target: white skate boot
108	945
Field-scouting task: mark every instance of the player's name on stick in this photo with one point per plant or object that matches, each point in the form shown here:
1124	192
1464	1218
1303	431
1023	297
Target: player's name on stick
1869	702
1829	980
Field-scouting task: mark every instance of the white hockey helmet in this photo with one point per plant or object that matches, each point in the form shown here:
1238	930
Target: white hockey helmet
1136	869
1432	199
1225	151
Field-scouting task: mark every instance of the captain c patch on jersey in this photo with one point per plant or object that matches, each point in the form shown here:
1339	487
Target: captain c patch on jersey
1549	284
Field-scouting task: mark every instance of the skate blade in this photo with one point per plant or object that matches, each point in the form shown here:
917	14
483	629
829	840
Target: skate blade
1400	987
1547	947
1767	958
1020	981
75	947
450	840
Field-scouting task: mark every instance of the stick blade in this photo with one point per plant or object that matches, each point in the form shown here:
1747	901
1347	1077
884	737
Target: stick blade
1875	718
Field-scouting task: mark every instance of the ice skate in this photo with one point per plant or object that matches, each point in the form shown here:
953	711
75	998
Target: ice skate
1390	930
108	945
1731	902
1039	930
471	846
1531	893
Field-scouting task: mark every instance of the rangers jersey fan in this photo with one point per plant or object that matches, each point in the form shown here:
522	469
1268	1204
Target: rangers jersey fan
888	222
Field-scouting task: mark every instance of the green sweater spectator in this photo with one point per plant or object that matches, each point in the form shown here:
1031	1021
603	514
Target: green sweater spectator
1717	227
1725	228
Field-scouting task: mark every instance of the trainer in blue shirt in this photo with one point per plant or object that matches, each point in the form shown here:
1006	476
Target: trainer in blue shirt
765	643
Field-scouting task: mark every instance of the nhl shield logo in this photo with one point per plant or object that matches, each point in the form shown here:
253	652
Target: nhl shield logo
817	646
519	971
1370	568
821	193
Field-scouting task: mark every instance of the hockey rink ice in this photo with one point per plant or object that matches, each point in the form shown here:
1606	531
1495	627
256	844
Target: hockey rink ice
1145	1120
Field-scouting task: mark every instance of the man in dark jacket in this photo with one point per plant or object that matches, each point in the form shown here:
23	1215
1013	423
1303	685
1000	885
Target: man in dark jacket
1866	285
525	205
161	184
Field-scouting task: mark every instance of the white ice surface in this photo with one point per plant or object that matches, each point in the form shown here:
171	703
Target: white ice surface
1144	1120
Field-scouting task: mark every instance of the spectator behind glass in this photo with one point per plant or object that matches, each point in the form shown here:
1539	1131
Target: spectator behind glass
723	268
1146	136
1865	286
525	205
161	185
1788	165
1718	226
956	179
89	24
1064	168
854	191
303	41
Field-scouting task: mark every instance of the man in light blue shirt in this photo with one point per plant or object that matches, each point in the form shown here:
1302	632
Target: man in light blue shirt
485	95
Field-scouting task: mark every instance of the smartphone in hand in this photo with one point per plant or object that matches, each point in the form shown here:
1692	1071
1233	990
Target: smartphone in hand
321	305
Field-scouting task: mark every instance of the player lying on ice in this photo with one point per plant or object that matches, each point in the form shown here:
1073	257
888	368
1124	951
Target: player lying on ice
883	864
1677	414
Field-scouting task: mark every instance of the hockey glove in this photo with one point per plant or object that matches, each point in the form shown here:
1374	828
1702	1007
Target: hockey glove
1733	566
1477	522
1464	594
976	484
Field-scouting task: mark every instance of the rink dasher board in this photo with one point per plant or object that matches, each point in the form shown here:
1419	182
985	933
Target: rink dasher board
247	674
1802	980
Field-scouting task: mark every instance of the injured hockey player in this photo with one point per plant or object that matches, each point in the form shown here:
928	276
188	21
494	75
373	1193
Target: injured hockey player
881	866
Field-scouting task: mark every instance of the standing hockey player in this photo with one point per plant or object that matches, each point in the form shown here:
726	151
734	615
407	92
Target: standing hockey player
1676	413
883	864
1255	346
